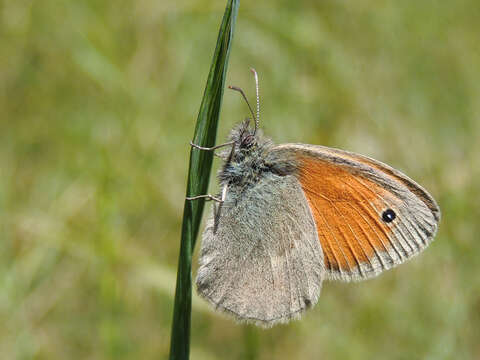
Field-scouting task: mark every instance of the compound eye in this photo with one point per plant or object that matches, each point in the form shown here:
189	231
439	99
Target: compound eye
248	141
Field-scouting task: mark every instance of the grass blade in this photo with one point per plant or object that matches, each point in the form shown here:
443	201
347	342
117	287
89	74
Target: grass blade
198	178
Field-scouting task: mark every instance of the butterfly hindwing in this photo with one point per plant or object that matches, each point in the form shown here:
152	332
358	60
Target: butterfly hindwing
262	261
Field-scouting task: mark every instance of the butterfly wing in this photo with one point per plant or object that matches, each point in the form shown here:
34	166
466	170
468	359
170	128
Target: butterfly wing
369	216
262	261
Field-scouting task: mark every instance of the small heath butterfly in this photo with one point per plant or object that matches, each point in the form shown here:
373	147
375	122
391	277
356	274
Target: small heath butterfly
293	215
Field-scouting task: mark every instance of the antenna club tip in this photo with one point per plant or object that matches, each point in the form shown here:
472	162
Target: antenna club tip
253	70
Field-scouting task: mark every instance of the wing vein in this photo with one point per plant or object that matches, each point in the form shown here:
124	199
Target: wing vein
367	236
346	239
405	253
333	235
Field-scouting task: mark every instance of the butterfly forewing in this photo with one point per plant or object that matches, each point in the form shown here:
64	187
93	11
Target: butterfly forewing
369	216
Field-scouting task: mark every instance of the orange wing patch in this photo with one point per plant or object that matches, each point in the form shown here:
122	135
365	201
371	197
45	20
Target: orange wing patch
346	210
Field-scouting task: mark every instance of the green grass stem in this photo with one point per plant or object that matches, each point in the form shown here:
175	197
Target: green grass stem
198	179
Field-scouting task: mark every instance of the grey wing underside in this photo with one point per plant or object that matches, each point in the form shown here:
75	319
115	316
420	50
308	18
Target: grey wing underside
263	263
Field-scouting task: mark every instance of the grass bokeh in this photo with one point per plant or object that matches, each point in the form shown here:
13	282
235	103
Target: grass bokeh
98	101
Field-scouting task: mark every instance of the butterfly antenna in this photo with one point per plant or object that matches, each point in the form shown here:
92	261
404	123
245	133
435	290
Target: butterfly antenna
257	118
244	97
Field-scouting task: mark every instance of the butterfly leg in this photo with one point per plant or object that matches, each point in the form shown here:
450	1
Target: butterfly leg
216	210
213	147
207	197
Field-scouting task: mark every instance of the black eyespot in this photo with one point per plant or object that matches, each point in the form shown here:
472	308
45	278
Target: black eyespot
389	215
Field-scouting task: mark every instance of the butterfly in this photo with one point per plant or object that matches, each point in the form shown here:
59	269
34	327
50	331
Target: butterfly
293	215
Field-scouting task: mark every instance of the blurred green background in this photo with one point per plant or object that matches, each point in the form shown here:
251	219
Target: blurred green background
98	102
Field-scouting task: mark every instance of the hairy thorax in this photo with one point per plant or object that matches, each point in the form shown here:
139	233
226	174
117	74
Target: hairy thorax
251	159
245	168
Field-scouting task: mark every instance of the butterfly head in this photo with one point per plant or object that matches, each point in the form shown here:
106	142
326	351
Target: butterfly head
246	160
248	139
245	138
